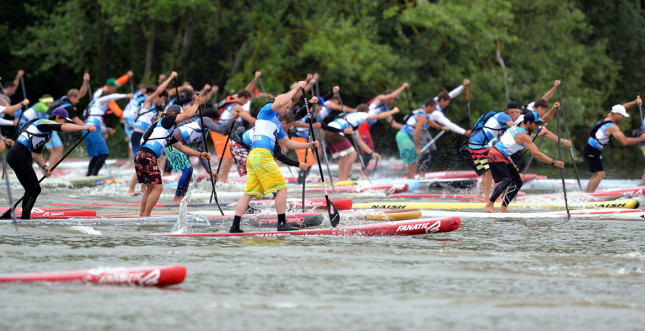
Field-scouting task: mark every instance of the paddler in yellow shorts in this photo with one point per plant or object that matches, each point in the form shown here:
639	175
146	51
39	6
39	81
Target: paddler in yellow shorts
263	174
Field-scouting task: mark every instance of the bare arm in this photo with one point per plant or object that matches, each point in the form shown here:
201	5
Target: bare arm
16	81
158	91
383	115
421	122
549	94
38	158
251	84
288	143
70	127
616	133
190	152
632	103
284	99
245	115
525	139
83	90
549	115
190	112
14	108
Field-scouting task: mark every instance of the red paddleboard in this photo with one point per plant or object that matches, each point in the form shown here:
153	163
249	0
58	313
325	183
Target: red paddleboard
388	189
55	213
316	203
451	174
298	220
139	276
406	228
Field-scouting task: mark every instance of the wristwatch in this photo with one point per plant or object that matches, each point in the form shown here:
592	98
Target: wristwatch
553	162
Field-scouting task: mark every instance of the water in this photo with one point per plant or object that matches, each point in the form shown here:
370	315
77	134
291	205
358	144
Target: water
503	275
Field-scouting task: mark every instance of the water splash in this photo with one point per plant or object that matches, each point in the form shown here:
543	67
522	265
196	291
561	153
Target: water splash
182	226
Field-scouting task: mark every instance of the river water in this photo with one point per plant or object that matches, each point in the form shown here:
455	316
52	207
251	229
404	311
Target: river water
489	274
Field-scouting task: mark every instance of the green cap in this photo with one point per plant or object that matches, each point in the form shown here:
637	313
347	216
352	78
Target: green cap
112	82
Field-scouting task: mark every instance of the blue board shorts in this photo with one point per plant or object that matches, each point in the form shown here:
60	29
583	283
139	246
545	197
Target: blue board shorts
54	141
95	144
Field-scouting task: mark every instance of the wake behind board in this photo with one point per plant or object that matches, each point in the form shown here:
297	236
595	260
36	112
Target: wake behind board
405	228
139	276
631	204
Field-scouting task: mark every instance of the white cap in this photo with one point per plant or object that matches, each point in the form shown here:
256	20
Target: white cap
620	110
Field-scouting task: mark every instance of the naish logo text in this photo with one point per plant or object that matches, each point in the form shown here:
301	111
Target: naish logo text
387	207
123	276
429	227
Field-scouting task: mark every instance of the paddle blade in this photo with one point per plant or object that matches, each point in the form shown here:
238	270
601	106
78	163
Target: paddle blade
334	215
6	215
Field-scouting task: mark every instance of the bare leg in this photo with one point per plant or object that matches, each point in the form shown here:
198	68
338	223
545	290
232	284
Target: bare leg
594	181
485	185
242	204
144	199
642	179
281	201
351	157
153	192
133	184
412	170
227	163
503	209
490	207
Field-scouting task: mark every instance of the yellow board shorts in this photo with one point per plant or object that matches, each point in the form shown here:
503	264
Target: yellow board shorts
219	140
643	150
301	152
263	176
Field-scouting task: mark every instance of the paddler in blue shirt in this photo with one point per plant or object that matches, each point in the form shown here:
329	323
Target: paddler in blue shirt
504	172
263	174
600	135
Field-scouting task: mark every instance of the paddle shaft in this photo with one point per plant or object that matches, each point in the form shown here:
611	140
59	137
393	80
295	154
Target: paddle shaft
210	169
334	216
24	90
528	163
5	215
566	130
468	105
11	206
263	92
432	141
358	151
564	186
640	110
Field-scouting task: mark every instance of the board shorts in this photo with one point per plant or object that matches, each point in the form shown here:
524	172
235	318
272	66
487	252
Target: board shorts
339	145
366	135
500	166
407	148
263	174
593	157
54	141
145	165
518	159
95	144
178	160
240	155
219	140
301	152
480	160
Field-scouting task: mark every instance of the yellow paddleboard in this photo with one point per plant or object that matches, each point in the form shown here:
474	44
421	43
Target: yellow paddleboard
627	204
395	215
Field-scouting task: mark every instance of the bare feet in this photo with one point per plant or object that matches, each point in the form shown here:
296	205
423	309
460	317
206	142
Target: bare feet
489	208
503	209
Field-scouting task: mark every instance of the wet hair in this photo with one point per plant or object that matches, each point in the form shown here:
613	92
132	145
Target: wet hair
244	93
72	93
430	102
9	84
151	89
443	95
163	94
362	107
541	103
287	117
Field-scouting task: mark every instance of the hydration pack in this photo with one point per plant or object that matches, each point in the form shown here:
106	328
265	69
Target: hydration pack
482	120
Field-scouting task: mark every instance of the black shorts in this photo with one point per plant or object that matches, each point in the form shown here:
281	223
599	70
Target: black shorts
518	159
501	170
593	157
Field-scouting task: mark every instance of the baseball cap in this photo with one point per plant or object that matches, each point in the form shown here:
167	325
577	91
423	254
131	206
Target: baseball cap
320	101
112	82
173	109
60	111
620	109
532	117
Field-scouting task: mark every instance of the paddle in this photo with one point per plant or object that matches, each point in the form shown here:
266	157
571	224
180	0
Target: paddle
334	216
468	105
432	141
263	92
640	110
24	96
176	91
89	89
358	151
564	187
210	170
324	150
7	213
11	209
566	130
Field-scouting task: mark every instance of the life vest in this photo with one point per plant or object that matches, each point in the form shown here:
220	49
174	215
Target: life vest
156	138
596	140
507	145
31	137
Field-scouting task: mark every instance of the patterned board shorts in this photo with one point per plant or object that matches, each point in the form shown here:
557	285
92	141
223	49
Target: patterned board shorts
178	160
145	164
240	154
407	148
480	160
